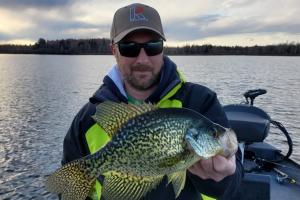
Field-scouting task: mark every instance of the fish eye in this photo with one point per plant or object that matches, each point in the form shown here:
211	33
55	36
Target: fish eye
215	132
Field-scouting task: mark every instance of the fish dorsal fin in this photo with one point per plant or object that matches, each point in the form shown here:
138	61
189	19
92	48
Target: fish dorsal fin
178	181
124	186
111	116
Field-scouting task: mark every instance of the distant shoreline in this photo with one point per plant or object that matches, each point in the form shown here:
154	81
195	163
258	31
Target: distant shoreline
164	54
102	47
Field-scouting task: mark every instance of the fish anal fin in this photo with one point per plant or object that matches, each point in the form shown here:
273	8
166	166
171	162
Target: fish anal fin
124	186
178	181
111	115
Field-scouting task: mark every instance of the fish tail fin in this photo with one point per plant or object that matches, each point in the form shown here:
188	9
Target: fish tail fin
73	181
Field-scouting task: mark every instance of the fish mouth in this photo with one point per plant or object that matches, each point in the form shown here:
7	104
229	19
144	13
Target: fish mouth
229	143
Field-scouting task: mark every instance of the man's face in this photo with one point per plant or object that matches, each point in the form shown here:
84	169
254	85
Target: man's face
141	72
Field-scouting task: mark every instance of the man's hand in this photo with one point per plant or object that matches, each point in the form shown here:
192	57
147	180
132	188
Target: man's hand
216	168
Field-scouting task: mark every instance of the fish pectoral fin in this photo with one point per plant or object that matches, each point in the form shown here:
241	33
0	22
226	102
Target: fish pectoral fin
111	115
178	181
124	186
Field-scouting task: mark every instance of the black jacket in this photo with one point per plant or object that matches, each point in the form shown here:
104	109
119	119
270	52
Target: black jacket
193	96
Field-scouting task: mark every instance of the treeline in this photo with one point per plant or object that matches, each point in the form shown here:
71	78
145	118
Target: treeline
68	46
102	47
272	50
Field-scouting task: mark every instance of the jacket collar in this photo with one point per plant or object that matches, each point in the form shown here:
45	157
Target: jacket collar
113	89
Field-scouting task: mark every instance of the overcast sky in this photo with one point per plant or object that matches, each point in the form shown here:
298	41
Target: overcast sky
217	22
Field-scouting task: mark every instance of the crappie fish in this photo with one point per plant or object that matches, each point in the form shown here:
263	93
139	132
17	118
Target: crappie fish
146	144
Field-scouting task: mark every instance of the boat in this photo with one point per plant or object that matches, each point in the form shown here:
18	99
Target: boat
269	174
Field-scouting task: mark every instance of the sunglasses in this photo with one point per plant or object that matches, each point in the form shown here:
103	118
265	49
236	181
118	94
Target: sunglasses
132	49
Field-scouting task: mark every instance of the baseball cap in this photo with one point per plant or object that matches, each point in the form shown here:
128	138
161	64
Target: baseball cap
135	17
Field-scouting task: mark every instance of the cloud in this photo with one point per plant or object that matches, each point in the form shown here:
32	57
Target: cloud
4	36
52	29
21	4
13	23
192	21
237	4
213	25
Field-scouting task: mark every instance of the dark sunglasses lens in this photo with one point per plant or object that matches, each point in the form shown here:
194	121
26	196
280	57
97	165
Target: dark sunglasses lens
132	49
153	48
129	49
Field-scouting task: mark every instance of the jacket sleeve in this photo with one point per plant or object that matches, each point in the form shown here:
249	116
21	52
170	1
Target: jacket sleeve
74	145
205	101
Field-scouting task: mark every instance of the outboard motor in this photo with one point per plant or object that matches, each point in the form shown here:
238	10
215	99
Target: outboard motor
252	94
252	124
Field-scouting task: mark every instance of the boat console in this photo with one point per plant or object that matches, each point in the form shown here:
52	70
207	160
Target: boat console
264	165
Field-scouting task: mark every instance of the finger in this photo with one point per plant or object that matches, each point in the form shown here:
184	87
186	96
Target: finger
223	165
207	165
210	172
219	163
197	170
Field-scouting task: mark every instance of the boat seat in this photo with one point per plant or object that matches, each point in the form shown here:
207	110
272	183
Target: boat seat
251	124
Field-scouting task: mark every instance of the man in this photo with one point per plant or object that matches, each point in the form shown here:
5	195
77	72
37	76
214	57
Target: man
144	74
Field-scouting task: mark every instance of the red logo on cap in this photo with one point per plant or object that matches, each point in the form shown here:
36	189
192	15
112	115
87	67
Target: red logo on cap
139	10
136	14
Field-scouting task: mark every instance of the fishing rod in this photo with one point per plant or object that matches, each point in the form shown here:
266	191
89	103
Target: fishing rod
281	176
261	160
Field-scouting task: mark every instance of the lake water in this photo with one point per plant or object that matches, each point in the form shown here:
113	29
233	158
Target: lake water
40	94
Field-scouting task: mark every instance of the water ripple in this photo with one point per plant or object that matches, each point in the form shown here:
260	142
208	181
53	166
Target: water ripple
41	94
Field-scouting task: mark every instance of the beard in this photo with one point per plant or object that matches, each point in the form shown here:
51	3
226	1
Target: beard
141	81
